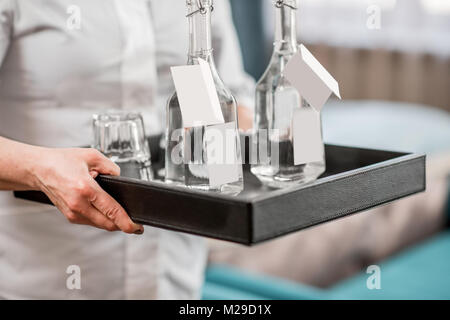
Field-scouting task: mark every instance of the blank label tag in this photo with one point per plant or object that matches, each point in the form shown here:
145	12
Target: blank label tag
310	78
197	95
307	136
222	156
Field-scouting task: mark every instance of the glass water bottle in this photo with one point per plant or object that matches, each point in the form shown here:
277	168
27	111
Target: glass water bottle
182	144
276	100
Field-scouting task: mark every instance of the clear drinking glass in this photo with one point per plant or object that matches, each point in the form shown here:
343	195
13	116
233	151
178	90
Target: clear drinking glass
181	141
120	136
276	101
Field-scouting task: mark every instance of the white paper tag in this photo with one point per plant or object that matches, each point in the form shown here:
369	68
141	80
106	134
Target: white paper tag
286	98
222	158
307	136
310	78
197	95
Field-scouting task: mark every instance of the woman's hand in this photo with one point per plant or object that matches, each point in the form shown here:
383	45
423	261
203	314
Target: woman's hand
67	176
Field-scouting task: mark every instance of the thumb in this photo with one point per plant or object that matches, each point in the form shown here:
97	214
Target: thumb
100	164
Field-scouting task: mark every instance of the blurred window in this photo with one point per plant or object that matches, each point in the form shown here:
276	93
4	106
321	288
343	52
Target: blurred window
404	25
439	7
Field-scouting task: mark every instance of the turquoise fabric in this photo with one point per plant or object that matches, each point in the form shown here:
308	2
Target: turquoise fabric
223	282
423	272
214	291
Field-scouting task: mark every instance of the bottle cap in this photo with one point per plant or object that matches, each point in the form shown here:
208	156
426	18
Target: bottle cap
288	3
201	6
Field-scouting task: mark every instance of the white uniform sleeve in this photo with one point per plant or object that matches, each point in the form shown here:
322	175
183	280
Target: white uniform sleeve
6	21
227	53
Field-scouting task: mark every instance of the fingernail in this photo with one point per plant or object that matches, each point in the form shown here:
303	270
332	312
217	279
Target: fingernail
139	231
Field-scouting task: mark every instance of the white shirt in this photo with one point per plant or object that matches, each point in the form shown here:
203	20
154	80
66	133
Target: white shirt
53	76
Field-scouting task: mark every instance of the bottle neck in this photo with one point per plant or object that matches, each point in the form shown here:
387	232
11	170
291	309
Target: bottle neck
286	26
200	44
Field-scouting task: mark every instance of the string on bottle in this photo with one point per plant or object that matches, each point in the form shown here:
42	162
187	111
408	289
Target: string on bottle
201	8
281	3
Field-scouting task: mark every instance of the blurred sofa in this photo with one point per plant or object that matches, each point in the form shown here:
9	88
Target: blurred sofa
418	273
408	238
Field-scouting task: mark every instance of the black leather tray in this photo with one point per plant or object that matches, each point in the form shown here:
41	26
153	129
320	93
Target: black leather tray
356	179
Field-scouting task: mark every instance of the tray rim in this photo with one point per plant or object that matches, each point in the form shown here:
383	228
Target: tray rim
344	175
155	184
420	158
